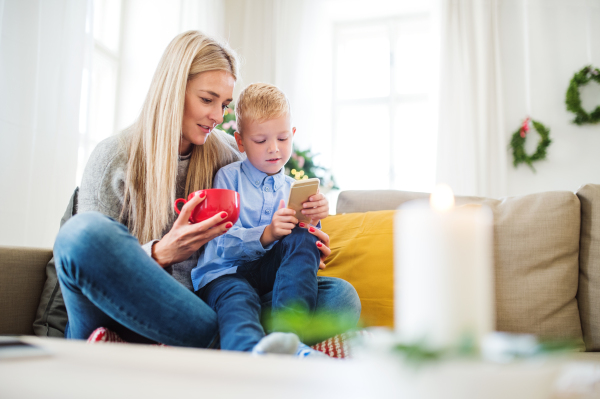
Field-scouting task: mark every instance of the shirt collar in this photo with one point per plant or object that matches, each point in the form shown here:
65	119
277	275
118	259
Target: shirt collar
257	177
185	157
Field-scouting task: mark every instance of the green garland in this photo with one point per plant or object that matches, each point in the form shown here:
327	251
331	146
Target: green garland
517	143
573	100
515	347
313	327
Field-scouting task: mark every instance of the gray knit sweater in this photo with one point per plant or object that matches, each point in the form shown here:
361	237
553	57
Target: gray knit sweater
102	190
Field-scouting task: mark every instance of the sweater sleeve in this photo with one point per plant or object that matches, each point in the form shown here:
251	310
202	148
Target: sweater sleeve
103	182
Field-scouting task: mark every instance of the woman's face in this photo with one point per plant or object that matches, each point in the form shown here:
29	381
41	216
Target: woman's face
206	97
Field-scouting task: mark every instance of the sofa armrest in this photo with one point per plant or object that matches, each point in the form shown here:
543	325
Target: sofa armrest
22	277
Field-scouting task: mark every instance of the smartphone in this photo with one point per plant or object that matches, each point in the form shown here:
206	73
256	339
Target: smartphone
300	192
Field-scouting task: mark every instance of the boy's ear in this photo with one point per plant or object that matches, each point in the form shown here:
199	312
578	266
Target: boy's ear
293	131
238	140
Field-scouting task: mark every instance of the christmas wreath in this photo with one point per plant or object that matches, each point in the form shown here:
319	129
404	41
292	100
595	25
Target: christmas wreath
573	99
517	143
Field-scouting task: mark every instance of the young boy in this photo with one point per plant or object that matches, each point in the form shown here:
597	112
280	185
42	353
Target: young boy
264	251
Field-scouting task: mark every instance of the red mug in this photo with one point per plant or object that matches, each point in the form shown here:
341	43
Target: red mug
217	200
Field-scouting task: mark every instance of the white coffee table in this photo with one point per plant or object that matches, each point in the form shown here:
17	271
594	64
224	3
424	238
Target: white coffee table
79	370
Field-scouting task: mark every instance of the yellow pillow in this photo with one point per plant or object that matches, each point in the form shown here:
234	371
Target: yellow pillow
362	254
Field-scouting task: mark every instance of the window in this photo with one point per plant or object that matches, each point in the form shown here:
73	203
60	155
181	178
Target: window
99	88
384	104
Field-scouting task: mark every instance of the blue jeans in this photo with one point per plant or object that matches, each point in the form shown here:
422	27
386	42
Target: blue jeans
288	271
107	280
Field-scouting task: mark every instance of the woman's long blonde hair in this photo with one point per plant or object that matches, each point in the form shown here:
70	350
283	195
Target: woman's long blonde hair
153	140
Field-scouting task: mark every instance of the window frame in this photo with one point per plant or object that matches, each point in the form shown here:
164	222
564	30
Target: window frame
113	57
394	98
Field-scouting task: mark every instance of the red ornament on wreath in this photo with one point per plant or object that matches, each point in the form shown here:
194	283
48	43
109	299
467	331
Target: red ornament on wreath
525	127
517	143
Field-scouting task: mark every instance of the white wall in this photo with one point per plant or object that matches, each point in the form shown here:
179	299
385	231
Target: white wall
562	33
41	62
289	43
268	36
148	27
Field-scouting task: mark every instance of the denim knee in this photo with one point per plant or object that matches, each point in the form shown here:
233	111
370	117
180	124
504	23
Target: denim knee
338	296
301	238
74	238
84	228
349	296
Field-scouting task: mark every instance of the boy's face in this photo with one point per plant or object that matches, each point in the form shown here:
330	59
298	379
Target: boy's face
268	145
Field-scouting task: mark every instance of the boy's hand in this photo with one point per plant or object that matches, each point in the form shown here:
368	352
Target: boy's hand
316	208
281	225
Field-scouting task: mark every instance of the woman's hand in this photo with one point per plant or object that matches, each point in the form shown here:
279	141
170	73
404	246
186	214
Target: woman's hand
185	238
316	208
322	244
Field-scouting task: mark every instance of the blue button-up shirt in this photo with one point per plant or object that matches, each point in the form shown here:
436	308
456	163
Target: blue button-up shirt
260	195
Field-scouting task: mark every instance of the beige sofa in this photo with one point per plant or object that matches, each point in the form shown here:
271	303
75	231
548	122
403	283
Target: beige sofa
547	263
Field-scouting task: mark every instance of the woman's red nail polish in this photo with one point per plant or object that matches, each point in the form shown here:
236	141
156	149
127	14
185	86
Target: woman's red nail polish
228	225
302	225
319	244
202	194
223	215
312	229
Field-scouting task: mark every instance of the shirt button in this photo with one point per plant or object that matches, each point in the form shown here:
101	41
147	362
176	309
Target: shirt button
257	182
267	189
268	211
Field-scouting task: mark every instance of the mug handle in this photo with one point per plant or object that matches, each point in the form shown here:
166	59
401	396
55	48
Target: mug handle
177	202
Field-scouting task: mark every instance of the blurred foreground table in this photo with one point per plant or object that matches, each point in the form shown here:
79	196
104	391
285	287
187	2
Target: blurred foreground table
74	369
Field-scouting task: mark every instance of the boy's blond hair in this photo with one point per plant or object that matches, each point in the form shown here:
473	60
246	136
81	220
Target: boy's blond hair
260	102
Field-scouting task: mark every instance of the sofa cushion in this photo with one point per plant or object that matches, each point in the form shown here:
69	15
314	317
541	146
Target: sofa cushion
51	316
588	295
536	248
22	271
362	254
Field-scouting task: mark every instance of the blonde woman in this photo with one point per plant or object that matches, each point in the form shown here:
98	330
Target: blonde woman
144	292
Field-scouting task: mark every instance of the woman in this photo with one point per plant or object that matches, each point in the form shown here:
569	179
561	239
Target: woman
107	278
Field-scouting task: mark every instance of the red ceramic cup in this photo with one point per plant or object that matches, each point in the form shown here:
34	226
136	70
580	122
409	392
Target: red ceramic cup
217	200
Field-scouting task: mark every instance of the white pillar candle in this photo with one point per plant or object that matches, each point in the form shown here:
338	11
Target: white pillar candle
443	271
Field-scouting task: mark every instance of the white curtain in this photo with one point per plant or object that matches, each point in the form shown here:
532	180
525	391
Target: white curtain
279	43
41	64
267	33
142	44
472	146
